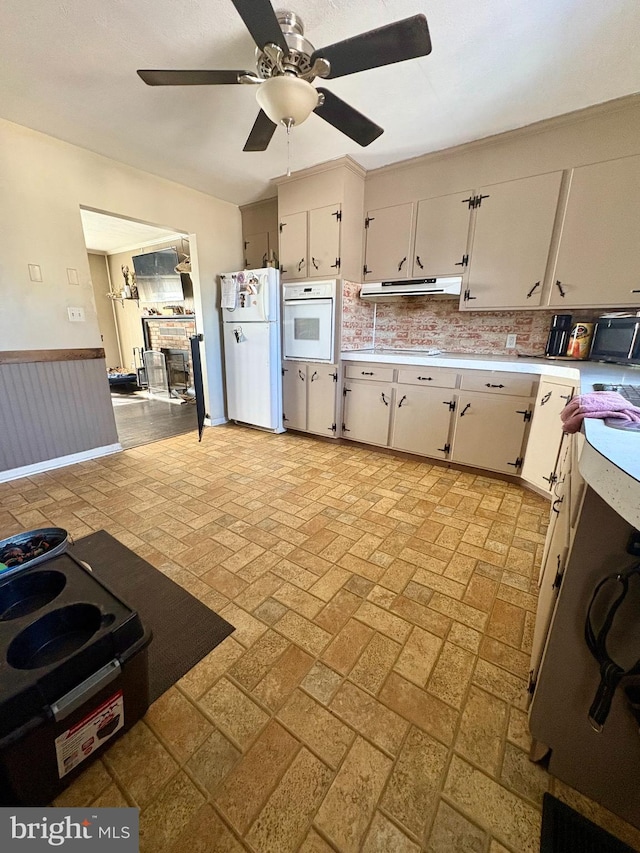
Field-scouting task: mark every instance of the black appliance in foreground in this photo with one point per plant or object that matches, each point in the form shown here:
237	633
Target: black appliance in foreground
73	677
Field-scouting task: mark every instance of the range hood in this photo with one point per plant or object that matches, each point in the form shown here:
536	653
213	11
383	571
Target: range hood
448	286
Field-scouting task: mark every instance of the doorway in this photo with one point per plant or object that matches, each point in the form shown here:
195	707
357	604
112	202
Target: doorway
141	276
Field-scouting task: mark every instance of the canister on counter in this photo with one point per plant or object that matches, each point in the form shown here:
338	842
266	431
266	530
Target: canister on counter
580	340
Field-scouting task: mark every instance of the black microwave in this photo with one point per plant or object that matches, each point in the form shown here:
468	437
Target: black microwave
616	340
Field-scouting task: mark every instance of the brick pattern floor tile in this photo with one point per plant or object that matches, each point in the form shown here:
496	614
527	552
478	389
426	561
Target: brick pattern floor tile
373	695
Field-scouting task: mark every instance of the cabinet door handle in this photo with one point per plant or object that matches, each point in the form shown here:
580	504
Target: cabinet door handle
489	385
313	375
301	374
462	413
301	264
557	501
425	378
366	372
384	399
535	286
400	264
402	401
313	261
420	264
561	289
546	398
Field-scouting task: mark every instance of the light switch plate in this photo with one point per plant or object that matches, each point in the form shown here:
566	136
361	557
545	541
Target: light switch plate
35	273
72	276
76	315
511	341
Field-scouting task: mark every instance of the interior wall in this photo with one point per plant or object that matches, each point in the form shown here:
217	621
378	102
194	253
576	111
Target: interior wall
43	183
104	308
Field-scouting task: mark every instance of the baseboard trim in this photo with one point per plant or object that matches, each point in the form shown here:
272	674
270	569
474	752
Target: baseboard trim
216	422
59	462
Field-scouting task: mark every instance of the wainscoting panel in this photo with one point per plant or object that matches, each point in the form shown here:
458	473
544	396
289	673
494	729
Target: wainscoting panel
53	409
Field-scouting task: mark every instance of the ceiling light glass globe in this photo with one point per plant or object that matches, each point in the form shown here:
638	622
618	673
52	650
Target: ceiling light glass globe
287	99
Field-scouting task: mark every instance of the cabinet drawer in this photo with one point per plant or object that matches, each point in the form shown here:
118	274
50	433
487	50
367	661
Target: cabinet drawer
518	384
429	377
369	371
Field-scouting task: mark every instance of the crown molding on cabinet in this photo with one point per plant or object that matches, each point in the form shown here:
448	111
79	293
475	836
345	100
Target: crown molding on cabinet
340	162
527	130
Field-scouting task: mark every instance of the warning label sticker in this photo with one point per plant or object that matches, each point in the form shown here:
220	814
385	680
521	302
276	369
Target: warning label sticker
78	742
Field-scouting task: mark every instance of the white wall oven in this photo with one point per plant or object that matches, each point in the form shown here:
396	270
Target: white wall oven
308	320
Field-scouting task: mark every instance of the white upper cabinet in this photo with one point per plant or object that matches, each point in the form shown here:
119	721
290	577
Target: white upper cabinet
598	261
388	242
256	250
511	239
442	232
324	241
293	246
310	243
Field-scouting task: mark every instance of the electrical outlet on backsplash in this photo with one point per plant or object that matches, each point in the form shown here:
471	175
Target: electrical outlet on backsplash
420	323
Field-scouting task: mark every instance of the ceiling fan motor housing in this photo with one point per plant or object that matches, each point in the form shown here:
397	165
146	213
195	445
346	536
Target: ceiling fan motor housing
298	60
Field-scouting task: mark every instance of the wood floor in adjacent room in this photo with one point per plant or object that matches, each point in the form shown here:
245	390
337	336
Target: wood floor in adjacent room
372	697
141	420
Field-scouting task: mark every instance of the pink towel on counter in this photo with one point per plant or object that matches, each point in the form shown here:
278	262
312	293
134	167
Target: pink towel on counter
597	404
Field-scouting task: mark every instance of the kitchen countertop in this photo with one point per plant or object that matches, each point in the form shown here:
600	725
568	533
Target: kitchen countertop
610	462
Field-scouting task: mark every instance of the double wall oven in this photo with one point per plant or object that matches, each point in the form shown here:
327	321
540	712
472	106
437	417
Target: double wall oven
309	321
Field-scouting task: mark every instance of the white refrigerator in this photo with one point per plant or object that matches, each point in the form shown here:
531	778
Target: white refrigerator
250	306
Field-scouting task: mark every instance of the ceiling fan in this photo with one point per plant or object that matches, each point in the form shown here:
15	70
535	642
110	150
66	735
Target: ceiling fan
287	63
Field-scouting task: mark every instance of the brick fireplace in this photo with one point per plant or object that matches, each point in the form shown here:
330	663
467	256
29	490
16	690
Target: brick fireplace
170	335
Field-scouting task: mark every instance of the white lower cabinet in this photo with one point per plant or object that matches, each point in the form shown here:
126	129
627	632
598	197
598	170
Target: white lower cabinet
545	436
367	411
554	560
394	407
490	431
309	397
422	420
567	497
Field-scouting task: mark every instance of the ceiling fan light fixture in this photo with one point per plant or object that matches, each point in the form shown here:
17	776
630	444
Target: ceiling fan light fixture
287	100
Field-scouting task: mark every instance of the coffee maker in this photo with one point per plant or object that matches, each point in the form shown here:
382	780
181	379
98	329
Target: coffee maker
558	338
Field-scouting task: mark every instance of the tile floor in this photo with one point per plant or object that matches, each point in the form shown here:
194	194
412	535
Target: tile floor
372	696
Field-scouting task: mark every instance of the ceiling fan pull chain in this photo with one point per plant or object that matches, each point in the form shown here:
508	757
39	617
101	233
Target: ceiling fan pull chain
288	126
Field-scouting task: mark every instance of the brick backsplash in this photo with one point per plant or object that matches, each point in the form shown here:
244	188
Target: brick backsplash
426	322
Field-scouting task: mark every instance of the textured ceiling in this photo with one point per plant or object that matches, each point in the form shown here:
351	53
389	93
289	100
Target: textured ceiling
68	68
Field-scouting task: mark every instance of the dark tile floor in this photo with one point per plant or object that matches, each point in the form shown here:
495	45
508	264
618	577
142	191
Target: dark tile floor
140	420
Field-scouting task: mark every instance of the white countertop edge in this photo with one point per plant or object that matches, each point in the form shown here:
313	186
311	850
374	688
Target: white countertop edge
462	360
611	456
620	490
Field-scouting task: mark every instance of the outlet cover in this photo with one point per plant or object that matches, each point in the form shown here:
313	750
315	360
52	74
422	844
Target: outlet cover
511	341
76	315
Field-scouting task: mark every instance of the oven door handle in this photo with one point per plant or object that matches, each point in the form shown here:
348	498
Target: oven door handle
321	301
